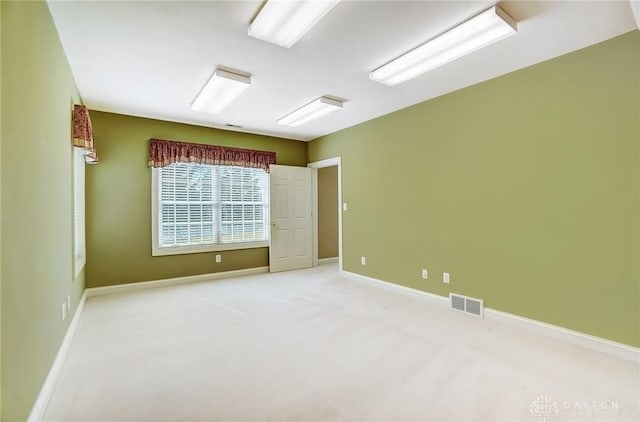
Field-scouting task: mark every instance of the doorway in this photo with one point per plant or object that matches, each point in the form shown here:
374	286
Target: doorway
326	197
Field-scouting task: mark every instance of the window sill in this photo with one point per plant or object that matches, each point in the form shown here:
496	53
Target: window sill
180	250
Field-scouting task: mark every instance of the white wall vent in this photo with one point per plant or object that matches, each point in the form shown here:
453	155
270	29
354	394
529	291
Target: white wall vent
466	304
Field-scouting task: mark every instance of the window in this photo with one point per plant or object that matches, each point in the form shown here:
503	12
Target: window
79	254
200	208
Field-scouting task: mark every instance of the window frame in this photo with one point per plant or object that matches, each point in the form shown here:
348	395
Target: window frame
157	250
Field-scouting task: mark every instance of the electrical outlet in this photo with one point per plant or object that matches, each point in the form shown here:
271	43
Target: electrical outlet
344	207
445	278
425	273
363	260
64	310
218	258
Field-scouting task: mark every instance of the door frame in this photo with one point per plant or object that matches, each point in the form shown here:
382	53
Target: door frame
329	162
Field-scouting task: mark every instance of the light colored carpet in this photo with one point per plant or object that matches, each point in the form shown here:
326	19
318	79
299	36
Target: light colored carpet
309	345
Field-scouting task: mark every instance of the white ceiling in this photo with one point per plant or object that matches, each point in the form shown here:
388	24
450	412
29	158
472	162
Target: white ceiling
151	58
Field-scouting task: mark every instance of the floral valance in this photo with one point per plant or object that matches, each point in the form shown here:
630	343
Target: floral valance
162	153
83	133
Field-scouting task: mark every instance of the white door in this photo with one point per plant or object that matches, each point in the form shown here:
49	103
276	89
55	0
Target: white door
290	245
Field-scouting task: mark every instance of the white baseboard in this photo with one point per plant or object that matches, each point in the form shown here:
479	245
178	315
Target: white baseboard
42	401
440	300
328	260
588	341
119	288
598	344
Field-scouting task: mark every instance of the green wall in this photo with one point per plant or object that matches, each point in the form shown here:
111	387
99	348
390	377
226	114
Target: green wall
119	200
525	188
38	91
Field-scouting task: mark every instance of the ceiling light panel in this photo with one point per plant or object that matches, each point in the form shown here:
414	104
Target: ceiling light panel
479	31
284	22
222	88
311	111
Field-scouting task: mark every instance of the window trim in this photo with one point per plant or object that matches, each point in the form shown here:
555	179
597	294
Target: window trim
156	250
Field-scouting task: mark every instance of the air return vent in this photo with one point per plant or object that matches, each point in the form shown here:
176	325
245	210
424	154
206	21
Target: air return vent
466	304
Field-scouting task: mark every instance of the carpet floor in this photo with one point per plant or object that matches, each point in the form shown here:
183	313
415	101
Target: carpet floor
310	345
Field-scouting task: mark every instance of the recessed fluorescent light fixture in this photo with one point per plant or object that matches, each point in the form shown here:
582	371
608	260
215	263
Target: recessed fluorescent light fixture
479	31
313	110
284	22
222	88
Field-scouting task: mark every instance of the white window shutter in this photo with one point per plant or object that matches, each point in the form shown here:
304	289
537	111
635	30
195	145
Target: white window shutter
79	246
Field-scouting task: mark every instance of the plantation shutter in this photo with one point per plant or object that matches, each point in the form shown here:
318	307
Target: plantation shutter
243	204
79	249
202	204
